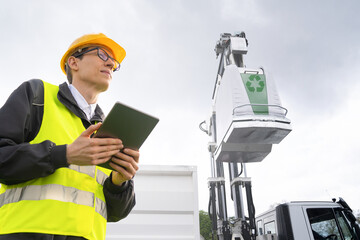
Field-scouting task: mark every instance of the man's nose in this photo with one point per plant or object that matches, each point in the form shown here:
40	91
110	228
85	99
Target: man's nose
110	63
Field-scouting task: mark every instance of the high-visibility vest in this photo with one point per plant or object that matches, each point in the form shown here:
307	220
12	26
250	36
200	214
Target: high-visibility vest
68	202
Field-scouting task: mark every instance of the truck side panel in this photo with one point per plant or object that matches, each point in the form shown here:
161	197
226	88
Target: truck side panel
166	208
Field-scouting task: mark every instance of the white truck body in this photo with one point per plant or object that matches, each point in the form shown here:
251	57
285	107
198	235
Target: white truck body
166	206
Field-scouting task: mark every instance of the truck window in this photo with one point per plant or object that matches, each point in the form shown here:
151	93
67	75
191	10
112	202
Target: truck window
323	224
346	230
269	227
259	227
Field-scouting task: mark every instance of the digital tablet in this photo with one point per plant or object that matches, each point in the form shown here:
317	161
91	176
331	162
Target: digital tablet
128	124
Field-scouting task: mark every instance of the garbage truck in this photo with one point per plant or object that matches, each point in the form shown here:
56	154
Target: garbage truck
247	118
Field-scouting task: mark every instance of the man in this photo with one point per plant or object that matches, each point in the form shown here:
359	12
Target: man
51	187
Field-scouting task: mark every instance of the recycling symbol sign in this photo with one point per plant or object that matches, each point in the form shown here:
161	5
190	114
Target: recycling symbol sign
256	88
255	83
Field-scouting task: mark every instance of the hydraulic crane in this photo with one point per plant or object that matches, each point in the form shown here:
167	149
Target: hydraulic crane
246	119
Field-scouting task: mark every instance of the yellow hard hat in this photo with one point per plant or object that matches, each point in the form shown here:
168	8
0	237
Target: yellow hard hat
96	39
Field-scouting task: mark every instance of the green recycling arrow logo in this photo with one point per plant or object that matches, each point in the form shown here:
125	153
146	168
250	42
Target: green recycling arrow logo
256	89
255	82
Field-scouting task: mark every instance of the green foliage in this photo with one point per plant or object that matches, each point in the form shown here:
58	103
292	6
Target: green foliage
205	225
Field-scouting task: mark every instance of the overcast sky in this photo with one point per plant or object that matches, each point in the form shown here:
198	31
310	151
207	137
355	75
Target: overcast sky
311	48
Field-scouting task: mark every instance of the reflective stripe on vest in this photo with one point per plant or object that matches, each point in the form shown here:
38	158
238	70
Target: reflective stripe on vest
100	176
68	202
50	191
53	192
89	170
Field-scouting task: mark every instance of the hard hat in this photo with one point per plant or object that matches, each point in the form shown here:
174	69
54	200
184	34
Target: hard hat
94	39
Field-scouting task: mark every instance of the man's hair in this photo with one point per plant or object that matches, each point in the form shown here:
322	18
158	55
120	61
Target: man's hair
74	54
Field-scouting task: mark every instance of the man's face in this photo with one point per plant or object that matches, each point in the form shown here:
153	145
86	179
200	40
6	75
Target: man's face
93	70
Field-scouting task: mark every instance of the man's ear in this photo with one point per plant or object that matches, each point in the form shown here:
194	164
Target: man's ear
73	63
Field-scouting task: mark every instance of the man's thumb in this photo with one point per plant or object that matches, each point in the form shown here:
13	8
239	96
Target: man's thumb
90	130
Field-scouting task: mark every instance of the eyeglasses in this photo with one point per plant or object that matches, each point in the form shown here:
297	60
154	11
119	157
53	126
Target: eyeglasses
102	54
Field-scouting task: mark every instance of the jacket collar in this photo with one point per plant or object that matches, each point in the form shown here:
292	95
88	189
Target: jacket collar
66	98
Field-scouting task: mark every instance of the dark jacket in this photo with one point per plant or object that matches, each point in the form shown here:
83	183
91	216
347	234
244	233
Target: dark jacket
20	121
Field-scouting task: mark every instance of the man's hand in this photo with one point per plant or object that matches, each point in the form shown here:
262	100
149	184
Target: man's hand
92	151
126	164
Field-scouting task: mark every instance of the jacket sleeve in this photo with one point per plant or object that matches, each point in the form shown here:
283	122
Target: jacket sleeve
120	200
20	121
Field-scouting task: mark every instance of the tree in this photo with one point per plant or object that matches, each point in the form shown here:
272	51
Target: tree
205	225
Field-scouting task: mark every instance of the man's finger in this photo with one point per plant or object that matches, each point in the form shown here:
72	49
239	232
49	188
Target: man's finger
105	155
90	130
125	161
107	142
135	154
124	172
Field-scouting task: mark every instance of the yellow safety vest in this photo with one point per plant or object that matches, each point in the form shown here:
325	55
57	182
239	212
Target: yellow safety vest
68	202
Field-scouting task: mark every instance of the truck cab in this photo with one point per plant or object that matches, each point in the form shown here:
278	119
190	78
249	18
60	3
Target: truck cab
308	221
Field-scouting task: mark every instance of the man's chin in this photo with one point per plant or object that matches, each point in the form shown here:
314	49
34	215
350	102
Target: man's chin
104	89
105	86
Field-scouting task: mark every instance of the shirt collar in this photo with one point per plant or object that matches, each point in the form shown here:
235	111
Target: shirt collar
88	109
